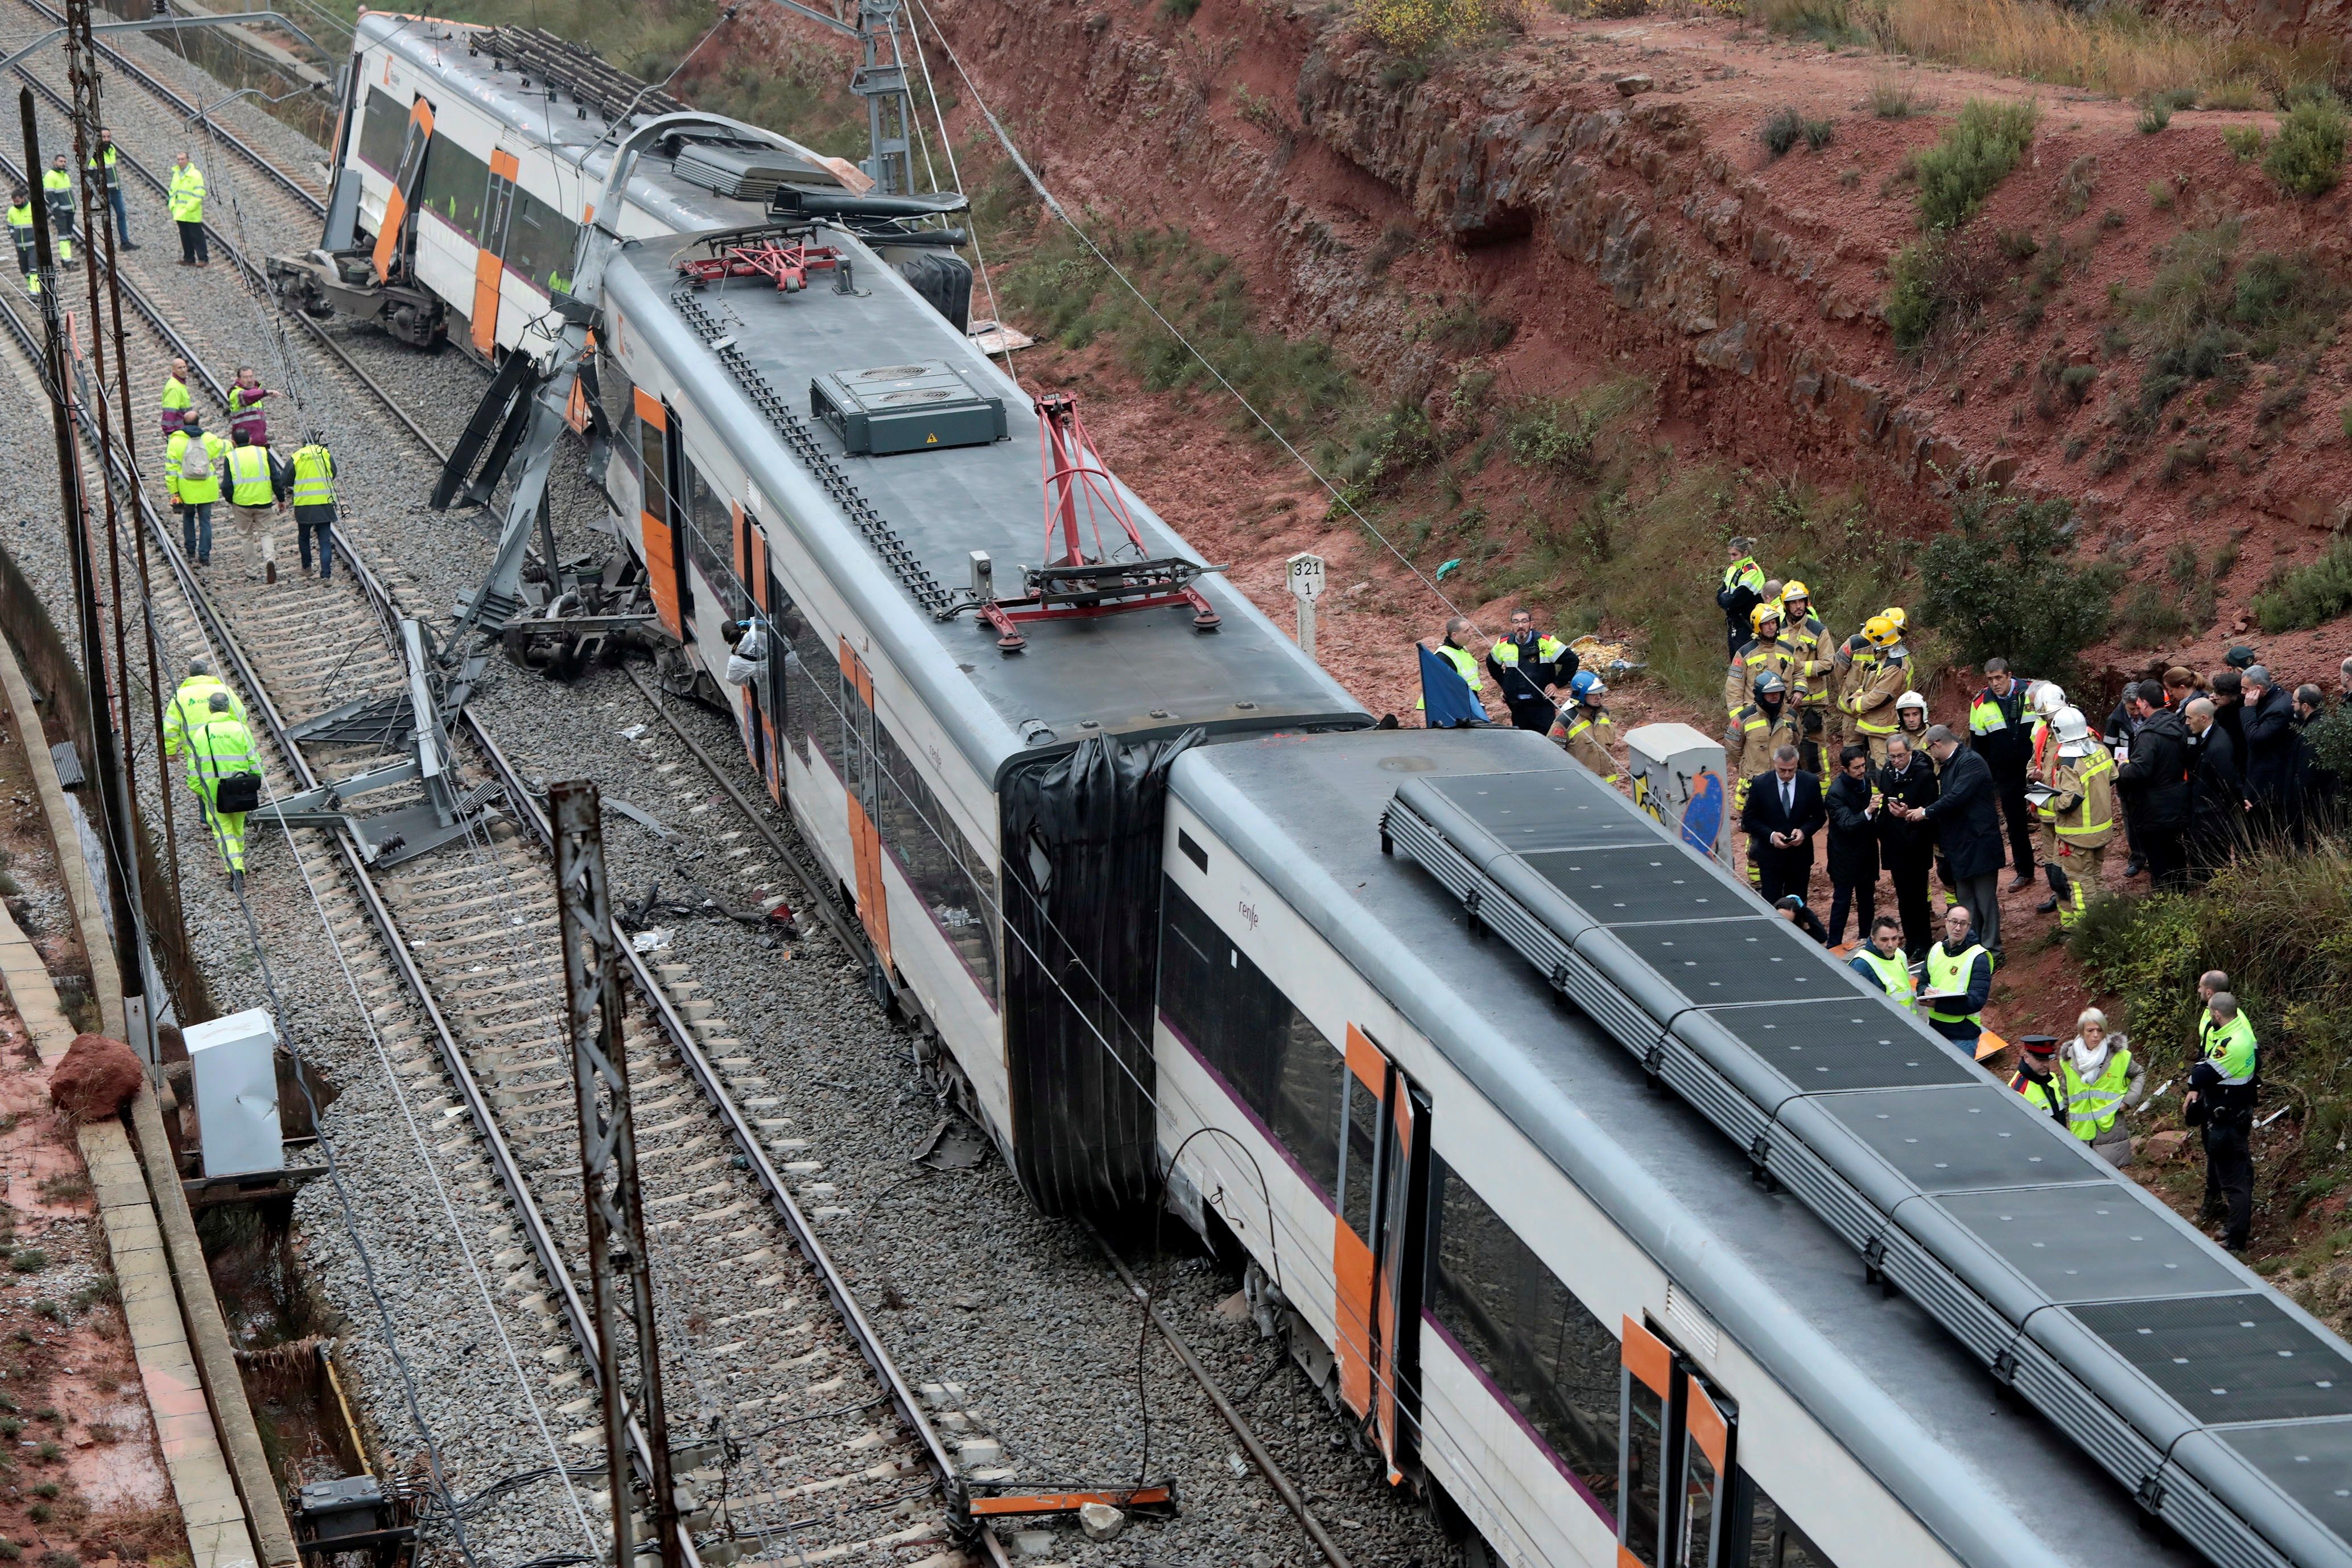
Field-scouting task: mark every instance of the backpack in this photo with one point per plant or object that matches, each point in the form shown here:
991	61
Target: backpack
196	460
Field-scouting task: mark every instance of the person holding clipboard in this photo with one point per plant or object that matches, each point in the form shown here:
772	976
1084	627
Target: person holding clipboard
1957	980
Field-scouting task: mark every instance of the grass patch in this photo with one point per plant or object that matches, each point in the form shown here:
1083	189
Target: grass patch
2307	158
1892	99
1941	283
2303	597
2245	143
2239	93
2206	316
2113	49
2004	580
1560	434
1781	130
2155	114
1415	28
28	1260
1975	156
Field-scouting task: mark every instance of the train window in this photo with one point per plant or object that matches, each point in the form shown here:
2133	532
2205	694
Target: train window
381	130
652	441
620	399
812	695
1272	1058
454	186
1544	1352
540	242
709	523
947	872
1362	1115
1772	1541
1192	851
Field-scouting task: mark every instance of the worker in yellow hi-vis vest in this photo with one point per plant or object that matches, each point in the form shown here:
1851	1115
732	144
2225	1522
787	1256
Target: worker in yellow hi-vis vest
187	203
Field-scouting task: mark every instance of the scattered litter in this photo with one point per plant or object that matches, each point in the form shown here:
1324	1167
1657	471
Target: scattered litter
633	732
953	1145
1236	1464
650	940
637	815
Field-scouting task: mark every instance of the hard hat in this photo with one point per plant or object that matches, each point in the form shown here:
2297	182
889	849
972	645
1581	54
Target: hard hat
1881	631
1894	613
2049	699
1769	682
1795	591
1768	610
2070	726
1910	700
1586	684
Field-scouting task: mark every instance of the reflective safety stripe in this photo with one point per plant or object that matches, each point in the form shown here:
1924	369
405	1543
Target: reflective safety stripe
1744	570
1984	717
314	476
2092	1105
1463	665
1894	975
249	477
2232	1047
2040	1093
1949	972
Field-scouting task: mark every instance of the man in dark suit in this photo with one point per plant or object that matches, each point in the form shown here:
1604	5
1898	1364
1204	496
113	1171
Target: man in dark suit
1783	812
1966	815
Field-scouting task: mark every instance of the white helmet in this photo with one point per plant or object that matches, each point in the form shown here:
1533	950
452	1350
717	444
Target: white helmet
2049	700
1910	700
2070	726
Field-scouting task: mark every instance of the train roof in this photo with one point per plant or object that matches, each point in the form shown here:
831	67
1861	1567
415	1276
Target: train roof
442	54
1136	674
1996	1484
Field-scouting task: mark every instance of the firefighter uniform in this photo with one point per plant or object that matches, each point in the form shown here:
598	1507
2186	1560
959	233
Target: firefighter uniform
1813	680
1584	730
221	749
2078	823
1880	676
1778	655
1757	731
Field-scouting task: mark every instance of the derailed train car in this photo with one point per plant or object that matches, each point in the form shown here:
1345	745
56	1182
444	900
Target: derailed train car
1592	1266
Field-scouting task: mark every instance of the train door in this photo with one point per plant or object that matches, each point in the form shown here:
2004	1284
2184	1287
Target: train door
405	177
1378	1242
497	206
861	761
653	469
1675	1462
745	534
781	654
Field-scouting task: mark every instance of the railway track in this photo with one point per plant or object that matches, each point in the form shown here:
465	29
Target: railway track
807	1444
484	1031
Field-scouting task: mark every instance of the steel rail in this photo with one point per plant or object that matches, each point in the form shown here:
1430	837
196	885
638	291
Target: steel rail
673	1025
155	85
254	274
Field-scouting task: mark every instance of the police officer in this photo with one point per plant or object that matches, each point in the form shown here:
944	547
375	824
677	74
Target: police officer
1526	664
313	494
2078	815
2221	1102
2037	1077
1959	978
191	707
1583	725
219	752
1881	962
2000	732
1742	591
1464	663
57	189
102	166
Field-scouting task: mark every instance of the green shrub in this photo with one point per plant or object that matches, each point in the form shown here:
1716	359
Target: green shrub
2309	595
1975	155
2159	194
1939	280
2003	580
2245	143
2307	158
1559	433
2205	316
1782	128
1819	133
2151	617
2155	114
29	1260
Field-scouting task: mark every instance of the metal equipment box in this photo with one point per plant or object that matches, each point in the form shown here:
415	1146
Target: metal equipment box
234	1063
905	408
1679	778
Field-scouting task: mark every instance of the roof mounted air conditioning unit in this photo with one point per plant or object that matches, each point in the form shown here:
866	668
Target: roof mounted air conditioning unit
905	408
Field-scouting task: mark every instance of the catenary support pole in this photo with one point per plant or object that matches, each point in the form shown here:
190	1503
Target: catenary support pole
618	1259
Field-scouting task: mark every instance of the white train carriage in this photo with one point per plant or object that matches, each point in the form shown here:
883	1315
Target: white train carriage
1569	1302
917	756
467	158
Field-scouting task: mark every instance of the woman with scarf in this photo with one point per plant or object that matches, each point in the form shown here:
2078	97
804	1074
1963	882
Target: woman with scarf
2102	1079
